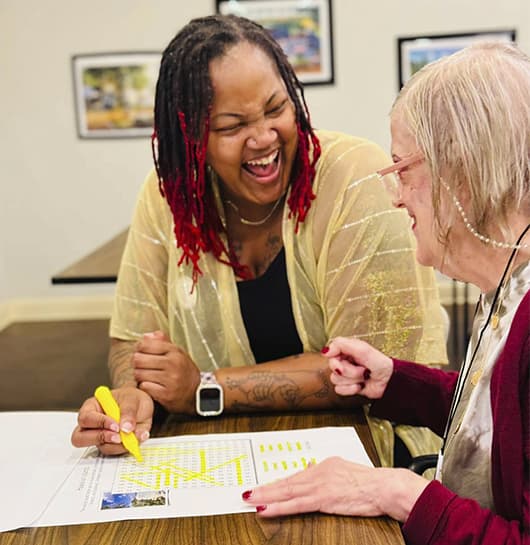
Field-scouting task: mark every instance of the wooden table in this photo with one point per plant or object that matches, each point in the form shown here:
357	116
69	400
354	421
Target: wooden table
236	529
100	266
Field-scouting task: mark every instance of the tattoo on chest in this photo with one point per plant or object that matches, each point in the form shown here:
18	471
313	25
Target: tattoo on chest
237	248
258	255
272	247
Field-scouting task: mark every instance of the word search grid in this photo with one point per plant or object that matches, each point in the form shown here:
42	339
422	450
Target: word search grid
204	464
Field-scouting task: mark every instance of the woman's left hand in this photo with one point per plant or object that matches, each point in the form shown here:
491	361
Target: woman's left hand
339	487
166	373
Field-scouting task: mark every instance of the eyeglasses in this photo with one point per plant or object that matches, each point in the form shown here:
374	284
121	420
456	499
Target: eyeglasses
390	176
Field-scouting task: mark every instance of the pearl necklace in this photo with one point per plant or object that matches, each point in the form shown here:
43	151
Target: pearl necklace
256	223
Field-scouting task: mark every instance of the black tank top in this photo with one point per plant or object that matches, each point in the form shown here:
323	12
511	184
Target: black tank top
267	312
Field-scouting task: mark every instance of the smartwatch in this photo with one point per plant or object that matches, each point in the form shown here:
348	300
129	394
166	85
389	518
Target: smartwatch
209	396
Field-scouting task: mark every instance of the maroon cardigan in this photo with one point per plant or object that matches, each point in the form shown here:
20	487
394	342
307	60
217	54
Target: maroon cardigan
422	396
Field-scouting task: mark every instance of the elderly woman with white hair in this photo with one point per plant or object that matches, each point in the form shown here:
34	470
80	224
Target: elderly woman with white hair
461	149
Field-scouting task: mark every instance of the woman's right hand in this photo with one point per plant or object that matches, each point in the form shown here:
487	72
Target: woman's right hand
358	368
95	428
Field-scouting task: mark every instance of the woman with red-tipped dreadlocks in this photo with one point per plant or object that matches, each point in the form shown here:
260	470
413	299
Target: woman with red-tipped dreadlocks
255	240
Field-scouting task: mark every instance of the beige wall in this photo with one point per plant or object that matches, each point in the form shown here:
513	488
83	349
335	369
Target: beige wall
60	197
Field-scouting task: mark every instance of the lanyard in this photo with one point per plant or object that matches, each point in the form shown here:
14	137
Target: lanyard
462	377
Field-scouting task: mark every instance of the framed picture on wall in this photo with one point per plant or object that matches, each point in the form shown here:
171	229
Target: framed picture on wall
302	27
417	51
114	94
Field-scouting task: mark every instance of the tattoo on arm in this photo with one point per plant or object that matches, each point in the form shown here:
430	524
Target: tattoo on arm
266	390
120	366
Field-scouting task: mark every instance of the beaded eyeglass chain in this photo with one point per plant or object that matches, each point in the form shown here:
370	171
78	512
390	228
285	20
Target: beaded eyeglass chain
472	230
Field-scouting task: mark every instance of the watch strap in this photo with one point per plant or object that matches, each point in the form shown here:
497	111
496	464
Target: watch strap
208	377
208	383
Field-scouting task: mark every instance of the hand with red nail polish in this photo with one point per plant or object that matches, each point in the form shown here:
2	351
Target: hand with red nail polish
358	368
246	494
340	487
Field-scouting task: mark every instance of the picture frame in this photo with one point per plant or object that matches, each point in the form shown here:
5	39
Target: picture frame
114	93
302	27
417	51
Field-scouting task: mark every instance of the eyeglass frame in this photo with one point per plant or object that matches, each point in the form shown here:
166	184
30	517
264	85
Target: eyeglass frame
418	156
393	183
396	168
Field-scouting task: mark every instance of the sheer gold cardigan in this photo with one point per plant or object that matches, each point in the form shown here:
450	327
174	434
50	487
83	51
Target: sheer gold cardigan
351	270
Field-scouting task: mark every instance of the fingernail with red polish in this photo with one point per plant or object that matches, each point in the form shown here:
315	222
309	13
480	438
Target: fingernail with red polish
246	494
325	349
260	508
338	371
366	375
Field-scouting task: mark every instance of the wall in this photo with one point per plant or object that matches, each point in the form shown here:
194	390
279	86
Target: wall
60	196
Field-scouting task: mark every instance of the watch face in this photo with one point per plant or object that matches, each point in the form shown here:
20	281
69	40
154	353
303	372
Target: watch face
210	399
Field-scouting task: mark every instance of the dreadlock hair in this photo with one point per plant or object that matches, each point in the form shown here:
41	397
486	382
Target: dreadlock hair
183	101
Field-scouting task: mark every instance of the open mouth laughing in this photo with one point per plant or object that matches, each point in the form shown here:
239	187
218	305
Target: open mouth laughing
264	168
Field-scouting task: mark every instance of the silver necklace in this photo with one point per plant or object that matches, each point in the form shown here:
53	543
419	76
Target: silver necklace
244	221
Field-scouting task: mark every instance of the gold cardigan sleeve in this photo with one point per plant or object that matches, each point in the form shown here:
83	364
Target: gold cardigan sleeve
352	271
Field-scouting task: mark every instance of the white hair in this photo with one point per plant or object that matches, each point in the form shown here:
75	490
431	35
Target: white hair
470	115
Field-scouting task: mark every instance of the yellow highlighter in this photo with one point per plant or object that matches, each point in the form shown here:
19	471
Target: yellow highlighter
112	409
